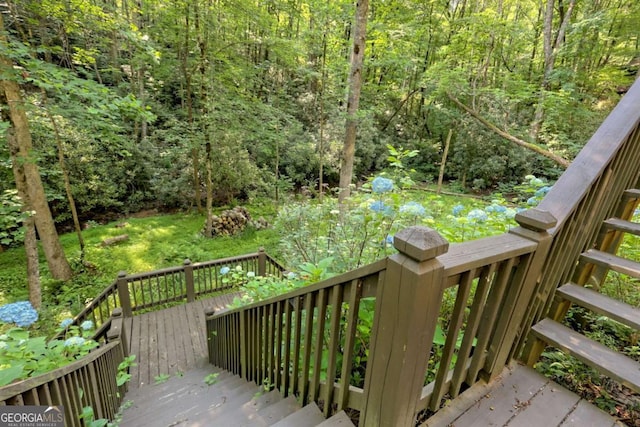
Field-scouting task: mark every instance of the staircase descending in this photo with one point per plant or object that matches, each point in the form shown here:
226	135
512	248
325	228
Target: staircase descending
187	400
592	269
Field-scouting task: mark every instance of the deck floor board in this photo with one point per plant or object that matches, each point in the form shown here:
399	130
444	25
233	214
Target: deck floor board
519	397
170	341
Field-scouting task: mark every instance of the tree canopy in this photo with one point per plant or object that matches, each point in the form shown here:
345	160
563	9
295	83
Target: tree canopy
154	103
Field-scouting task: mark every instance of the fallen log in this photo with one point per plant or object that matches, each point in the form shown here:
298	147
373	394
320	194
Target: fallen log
113	240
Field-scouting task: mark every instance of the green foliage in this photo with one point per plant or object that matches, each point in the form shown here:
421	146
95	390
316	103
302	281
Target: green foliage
211	379
162	378
23	356
11	218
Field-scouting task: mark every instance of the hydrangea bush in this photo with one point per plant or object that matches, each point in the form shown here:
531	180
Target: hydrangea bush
23	356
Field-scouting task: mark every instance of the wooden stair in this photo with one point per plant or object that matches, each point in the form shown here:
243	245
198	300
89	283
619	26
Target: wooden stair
617	366
186	400
609	362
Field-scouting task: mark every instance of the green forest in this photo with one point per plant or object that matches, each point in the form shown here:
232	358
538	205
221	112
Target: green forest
142	104
335	123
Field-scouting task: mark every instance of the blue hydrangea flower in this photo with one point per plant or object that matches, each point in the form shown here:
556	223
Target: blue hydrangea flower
499	209
536	182
457	209
542	191
69	342
291	275
381	185
477	215
490	208
413	208
532	201
379	206
87	325
66	323
389	239
224	270
21	313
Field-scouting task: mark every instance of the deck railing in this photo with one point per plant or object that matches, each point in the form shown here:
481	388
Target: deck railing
586	194
90	381
304	342
155	289
315	342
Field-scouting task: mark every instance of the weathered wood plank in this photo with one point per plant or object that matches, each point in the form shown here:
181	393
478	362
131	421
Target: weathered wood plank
517	387
632	193
622	225
595	301
143	351
154	354
617	366
613	262
548	407
585	414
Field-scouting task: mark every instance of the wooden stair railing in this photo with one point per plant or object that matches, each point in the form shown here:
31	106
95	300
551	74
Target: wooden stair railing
154	289
302	342
583	291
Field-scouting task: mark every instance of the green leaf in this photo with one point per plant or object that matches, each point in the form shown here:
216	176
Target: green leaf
8	375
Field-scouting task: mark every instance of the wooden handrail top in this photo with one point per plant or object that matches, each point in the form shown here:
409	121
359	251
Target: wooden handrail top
364	271
589	164
13	389
474	254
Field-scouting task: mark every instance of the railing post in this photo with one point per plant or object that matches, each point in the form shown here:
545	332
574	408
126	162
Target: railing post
262	262
123	294
188	277
407	306
211	342
117	330
518	300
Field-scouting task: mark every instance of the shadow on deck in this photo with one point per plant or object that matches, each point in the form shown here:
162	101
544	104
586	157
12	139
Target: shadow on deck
172	342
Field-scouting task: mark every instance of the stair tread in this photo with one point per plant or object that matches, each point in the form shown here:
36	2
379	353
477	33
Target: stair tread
249	413
632	193
308	416
602	304
594	354
341	419
622	225
614	262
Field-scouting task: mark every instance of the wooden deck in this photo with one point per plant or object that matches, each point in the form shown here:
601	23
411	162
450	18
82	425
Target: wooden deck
170	342
518	397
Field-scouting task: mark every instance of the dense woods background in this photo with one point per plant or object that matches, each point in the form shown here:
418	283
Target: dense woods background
139	104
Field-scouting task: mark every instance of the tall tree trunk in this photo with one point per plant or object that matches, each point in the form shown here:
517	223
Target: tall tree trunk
353	100
67	185
22	153
551	48
30	240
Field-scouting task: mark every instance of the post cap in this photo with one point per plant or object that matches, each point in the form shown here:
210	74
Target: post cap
420	243
187	261
536	219
209	311
117	312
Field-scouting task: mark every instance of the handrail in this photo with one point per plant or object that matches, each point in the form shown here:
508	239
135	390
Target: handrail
586	194
292	341
188	281
89	381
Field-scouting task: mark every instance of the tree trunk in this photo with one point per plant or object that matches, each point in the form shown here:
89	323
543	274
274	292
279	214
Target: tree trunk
30	240
22	153
353	100
65	176
529	146
551	49
209	224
